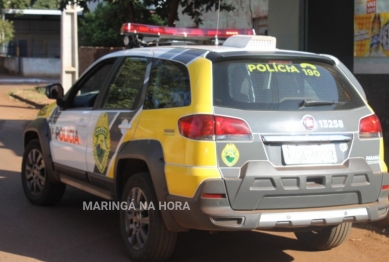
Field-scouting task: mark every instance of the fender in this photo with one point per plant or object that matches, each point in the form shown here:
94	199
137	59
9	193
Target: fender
150	151
40	126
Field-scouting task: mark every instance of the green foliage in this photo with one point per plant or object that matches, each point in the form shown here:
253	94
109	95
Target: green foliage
6	31
40	89
6	27
44	4
14	4
101	27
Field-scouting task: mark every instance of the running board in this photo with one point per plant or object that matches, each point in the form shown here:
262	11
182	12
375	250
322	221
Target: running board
94	190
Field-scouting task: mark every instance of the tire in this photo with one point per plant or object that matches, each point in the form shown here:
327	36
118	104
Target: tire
37	185
326	238
145	234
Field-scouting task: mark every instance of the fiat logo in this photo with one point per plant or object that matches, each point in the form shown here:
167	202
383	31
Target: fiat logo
309	122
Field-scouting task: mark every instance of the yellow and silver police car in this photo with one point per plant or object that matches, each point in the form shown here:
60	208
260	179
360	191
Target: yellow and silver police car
231	137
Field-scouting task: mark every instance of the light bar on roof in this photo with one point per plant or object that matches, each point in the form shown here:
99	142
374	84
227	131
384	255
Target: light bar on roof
164	31
255	42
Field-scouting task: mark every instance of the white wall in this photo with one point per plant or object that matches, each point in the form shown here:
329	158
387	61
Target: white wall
40	67
31	66
10	64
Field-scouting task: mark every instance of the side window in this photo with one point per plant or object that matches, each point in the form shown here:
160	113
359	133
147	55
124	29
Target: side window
127	86
168	86
88	88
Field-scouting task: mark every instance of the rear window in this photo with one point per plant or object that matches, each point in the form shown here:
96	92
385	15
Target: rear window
282	85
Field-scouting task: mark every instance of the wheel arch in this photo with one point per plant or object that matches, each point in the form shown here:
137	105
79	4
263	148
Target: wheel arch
39	129
139	156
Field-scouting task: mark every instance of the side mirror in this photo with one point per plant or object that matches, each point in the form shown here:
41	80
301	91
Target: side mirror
54	91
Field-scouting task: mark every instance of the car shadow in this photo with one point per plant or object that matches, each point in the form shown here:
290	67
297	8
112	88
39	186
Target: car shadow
233	246
69	232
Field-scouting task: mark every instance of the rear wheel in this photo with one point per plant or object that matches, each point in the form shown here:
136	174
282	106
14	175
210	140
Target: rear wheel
36	183
145	234
326	238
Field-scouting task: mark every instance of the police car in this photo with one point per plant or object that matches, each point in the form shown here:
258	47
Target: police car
231	137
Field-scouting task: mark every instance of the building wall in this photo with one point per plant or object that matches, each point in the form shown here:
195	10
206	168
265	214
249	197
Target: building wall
284	23
31	67
40	67
9	65
35	38
242	17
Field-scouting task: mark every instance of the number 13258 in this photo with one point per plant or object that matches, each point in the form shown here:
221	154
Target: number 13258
331	123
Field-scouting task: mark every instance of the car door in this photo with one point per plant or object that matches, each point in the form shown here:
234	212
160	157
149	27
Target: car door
69	124
114	119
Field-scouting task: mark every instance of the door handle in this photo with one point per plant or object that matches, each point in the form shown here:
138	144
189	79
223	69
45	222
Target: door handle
124	126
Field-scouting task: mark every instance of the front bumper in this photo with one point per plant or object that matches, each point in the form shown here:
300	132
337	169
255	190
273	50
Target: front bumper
217	214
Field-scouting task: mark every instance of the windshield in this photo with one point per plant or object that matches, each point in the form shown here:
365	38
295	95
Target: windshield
282	85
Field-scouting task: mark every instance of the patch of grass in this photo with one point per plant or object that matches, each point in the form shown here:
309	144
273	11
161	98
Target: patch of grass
40	89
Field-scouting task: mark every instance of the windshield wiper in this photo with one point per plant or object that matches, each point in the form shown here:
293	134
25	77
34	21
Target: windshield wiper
307	103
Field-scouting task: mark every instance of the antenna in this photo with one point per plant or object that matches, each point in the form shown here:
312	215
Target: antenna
217	25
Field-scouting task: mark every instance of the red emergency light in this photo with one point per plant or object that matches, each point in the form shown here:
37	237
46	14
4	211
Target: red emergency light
164	31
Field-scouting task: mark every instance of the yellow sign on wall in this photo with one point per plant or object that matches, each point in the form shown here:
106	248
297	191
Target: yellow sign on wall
371	28
371	35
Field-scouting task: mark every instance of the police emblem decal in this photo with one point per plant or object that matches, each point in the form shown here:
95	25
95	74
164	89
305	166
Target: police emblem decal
230	155
101	142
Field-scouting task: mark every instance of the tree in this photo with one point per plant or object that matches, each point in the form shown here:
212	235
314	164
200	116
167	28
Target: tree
14	4
44	4
6	27
6	31
166	9
101	27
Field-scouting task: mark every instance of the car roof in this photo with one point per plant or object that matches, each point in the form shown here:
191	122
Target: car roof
215	53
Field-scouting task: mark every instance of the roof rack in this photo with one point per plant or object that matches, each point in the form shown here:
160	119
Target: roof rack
134	34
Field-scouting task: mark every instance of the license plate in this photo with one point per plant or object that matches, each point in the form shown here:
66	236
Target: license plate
312	154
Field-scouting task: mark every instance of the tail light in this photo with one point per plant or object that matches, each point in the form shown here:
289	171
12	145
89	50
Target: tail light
370	127
210	127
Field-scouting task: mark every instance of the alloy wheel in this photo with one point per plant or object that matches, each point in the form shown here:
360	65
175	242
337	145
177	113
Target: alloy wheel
35	172
137	218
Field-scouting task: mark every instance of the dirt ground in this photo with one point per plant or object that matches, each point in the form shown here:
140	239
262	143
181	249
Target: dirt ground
366	242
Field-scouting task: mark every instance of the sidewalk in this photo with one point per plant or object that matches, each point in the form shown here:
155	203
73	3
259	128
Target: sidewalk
18	79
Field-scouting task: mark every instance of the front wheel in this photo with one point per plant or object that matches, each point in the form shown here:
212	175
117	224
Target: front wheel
145	234
326	238
35	180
